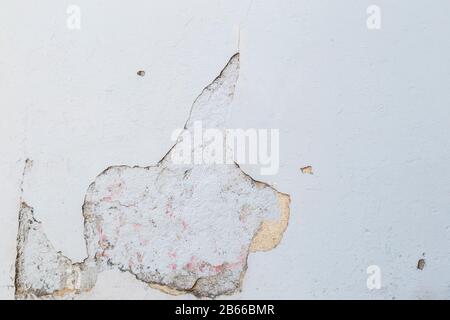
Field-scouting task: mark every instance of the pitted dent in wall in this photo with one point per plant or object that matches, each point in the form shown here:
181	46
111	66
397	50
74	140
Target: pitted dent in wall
421	264
178	232
307	170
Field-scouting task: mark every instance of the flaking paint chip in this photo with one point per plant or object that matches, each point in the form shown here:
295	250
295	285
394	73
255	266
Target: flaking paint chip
307	170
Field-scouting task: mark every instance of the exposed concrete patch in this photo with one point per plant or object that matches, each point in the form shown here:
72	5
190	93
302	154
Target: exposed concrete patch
179	228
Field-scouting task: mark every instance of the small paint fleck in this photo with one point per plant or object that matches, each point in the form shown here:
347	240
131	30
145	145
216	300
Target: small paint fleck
141	73
307	170
421	264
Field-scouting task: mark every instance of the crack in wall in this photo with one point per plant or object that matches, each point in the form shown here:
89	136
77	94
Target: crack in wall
179	228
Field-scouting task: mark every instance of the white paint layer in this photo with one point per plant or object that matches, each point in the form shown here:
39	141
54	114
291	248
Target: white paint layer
366	108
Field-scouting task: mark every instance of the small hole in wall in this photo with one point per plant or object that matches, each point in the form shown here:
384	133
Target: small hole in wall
421	264
141	73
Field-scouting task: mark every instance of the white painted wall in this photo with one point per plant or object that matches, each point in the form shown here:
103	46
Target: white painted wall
368	109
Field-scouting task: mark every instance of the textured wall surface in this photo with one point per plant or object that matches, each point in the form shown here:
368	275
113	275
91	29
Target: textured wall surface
92	207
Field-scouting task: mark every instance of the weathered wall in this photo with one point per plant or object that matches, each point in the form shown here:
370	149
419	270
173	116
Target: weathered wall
366	109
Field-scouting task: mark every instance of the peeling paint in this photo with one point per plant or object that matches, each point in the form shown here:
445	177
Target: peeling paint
271	232
178	228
